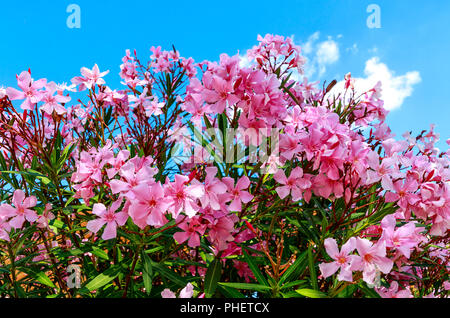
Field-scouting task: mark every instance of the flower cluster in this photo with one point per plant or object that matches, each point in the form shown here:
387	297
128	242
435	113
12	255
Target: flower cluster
99	183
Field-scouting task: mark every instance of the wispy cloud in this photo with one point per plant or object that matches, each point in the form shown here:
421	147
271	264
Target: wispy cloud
394	88
320	54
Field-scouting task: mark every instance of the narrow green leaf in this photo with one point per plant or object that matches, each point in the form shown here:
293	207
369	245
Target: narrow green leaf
246	286
255	270
169	274
147	272
311	293
312	269
104	278
43	279
229	292
212	276
298	266
99	252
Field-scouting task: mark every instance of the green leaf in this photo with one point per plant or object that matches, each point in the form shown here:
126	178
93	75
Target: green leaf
311	293
229	292
104	278
212	276
65	155
43	279
147	272
255	270
169	274
294	283
298	266
99	252
312	269
246	286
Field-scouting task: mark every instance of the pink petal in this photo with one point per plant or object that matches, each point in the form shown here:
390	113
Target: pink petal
167	293
363	246
110	231
99	209
30	202
14	94
331	247
245	196
187	291
121	218
283	191
345	274
296	194
95	225
235	205
195	190
349	247
280	177
18	198
194	241
30	215
6	210
181	237
17	221
384	264
243	183
296	173
328	269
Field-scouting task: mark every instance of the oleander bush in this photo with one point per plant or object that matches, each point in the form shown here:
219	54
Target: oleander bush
236	178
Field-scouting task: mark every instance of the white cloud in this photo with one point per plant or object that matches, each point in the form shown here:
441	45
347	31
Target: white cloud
319	55
244	61
394	88
307	47
327	54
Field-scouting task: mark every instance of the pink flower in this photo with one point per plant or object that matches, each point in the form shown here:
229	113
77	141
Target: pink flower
183	197
403	238
46	216
53	102
108	217
131	175
142	100
372	257
5	227
219	93
343	259
154	108
404	193
91	78
21	210
221	228
213	187
30	90
289	146
293	185
237	193
243	270
393	292
193	229
149	205
117	163
382	171
186	292
349	82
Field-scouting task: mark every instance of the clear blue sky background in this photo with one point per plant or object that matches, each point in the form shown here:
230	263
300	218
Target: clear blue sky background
414	36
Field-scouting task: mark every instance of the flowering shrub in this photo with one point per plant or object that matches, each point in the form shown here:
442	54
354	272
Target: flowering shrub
215	179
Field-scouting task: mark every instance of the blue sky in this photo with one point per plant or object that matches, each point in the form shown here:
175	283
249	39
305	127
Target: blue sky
411	49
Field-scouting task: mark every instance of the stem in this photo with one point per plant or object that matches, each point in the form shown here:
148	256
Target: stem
133	266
